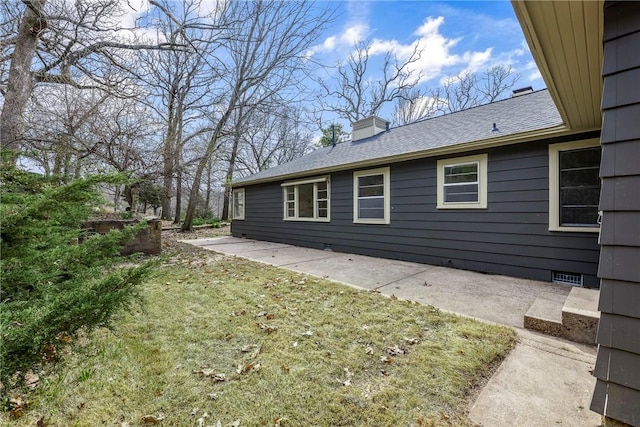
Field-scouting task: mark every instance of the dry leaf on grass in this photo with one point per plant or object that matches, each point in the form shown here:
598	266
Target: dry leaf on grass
395	350
267	328
210	373
151	419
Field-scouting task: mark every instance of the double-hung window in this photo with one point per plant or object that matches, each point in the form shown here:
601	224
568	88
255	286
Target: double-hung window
307	200
371	199
574	186
237	206
462	183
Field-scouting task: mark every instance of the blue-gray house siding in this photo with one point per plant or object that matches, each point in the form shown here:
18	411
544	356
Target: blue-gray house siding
617	391
510	237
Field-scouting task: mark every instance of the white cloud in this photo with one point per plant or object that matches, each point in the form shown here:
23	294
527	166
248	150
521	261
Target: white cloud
437	51
532	69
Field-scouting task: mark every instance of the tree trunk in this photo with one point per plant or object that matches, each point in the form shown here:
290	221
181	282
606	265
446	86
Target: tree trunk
167	187
178	197
20	81
232	165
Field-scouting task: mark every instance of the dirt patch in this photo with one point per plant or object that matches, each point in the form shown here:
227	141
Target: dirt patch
171	235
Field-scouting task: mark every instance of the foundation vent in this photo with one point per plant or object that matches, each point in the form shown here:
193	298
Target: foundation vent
567	278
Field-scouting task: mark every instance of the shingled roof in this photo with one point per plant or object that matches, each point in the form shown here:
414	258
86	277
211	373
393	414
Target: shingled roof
513	116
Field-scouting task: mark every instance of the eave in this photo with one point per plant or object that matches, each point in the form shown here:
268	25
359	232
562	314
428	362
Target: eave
565	38
485	144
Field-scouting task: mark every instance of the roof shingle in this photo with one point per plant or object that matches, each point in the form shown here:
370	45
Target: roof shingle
513	116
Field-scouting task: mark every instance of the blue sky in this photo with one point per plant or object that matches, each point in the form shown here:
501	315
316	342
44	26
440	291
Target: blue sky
456	36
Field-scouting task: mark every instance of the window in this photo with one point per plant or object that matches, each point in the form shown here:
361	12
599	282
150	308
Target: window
574	186
462	183
238	203
307	200
371	203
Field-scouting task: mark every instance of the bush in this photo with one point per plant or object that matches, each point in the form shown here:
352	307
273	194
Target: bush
52	287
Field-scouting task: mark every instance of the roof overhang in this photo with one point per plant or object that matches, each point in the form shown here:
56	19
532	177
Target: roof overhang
565	38
485	144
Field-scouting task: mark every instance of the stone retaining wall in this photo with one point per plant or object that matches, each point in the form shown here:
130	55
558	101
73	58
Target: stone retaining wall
147	241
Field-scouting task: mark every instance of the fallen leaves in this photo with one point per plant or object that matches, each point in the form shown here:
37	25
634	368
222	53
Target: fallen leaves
152	419
267	328
248	368
211	373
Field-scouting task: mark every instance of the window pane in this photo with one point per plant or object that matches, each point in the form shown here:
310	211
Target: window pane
238	204
371	208
290	193
580	177
580	196
369	186
580	158
305	201
322	209
461	173
467	193
579	216
579	187
371	180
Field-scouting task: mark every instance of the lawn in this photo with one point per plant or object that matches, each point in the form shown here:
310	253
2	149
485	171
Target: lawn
225	341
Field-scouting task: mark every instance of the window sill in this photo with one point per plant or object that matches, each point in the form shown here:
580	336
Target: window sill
462	206
576	229
307	219
371	221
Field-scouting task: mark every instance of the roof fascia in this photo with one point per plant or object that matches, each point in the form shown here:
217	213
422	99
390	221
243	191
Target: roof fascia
457	149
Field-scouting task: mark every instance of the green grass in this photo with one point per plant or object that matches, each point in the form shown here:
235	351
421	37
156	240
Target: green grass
294	351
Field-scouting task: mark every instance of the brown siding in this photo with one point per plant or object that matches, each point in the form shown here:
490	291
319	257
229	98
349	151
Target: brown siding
617	392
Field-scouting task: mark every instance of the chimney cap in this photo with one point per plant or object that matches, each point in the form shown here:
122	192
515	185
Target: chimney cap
521	91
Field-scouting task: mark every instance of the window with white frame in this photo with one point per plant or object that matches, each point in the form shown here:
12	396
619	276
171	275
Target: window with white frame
371	199
574	186
462	182
307	200
238	203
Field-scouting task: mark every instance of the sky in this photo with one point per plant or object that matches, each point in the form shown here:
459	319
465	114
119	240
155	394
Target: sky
456	36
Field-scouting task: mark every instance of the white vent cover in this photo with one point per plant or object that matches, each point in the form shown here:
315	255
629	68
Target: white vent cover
565	278
367	127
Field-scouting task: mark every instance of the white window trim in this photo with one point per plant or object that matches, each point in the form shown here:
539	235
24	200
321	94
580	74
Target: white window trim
481	160
554	184
386	180
295	184
234	193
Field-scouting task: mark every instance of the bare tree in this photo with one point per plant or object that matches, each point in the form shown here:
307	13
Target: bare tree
264	55
177	81
61	42
359	92
270	139
416	104
465	90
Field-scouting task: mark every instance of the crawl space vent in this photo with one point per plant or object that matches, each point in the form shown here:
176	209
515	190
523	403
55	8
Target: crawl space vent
567	278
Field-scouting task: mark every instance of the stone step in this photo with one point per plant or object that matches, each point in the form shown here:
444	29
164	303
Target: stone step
576	318
545	315
580	315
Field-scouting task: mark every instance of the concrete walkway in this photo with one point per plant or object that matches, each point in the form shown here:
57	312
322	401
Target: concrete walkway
544	381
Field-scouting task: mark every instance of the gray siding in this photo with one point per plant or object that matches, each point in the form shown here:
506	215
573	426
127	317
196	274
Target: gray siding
510	237
617	392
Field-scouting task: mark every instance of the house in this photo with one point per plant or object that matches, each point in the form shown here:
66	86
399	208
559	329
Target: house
466	190
508	188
